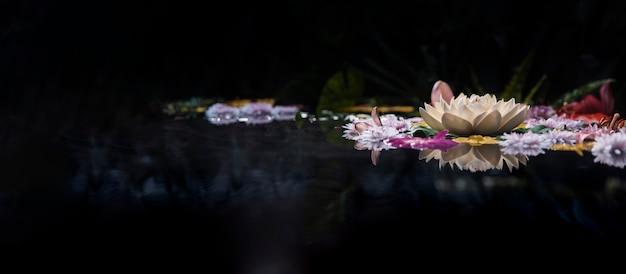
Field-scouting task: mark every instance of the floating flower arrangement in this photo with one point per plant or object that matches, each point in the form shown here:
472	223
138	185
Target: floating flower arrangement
479	132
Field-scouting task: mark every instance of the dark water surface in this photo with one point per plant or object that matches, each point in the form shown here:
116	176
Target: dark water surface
275	198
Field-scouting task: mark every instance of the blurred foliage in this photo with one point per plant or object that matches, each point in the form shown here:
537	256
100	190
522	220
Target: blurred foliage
577	93
190	108
343	89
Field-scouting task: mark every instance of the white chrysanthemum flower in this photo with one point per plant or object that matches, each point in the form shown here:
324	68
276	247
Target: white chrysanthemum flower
399	123
557	123
529	143
610	150
560	137
350	132
483	115
375	138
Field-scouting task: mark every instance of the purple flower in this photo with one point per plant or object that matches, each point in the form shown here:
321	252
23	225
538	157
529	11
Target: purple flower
610	150
557	123
541	112
256	113
437	142
222	114
592	132
560	137
528	143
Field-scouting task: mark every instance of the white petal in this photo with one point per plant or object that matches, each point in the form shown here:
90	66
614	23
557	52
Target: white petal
489	124
456	124
491	154
515	120
432	121
456	152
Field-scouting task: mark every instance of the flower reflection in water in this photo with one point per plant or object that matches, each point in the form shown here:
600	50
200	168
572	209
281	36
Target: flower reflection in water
474	158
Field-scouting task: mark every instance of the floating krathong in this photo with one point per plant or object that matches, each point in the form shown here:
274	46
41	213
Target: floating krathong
482	115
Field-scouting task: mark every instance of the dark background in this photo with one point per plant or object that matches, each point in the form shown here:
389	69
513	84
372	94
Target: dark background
90	71
73	57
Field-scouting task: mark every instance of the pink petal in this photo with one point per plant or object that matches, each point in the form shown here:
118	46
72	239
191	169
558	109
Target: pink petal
606	97
375	155
361	126
376	117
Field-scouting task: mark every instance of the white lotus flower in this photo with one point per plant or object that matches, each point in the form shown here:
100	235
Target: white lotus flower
482	115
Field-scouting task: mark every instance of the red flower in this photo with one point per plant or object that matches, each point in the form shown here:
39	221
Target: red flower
591	107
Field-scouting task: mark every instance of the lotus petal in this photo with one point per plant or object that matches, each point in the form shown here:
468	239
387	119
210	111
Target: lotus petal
488	124
491	154
515	120
430	120
456	152
456	124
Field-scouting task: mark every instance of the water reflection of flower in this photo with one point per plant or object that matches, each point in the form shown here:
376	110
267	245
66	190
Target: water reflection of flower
436	142
528	143
474	158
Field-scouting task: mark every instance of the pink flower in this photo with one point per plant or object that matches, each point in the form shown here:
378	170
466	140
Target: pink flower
372	134
591	132
541	112
437	142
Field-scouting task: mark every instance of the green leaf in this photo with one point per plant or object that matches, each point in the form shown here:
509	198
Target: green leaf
532	92
299	120
424	131
343	89
540	129
579	92
515	87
